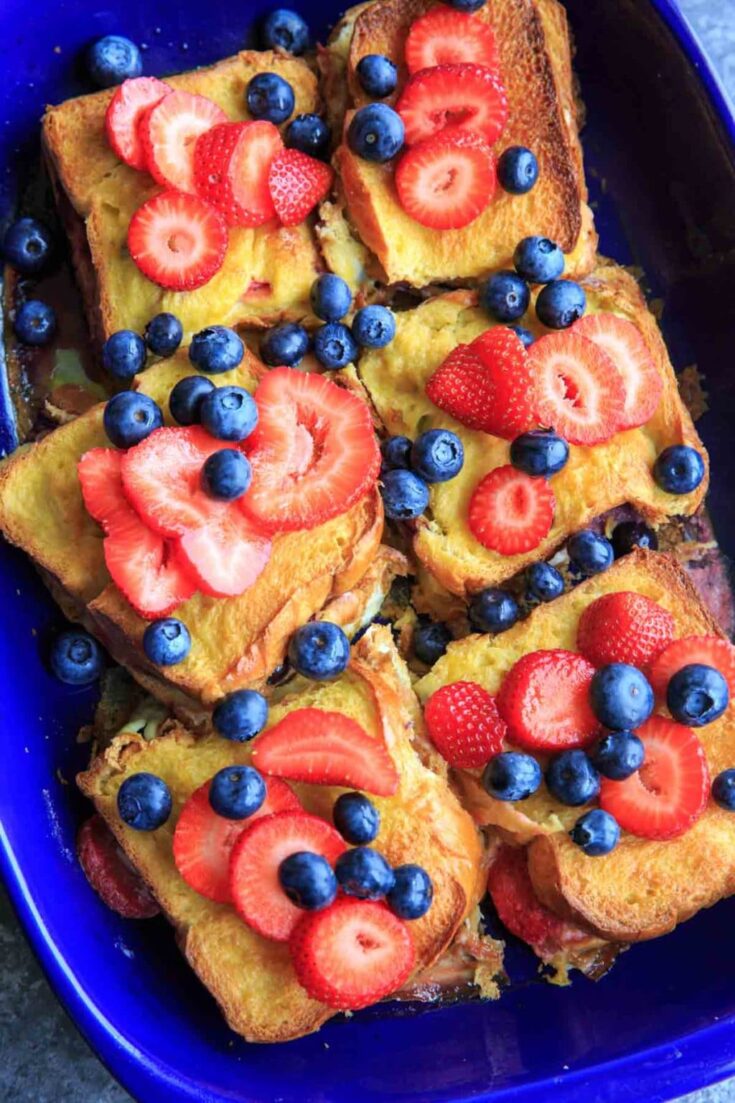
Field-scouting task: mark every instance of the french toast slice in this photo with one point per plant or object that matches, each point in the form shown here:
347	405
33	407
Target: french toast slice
252	978
267	272
643	888
594	481
535	59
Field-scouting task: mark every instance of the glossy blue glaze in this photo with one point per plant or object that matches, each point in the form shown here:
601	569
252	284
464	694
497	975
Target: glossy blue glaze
661	137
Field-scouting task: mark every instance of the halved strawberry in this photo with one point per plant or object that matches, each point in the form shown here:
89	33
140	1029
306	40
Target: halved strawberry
326	748
580	392
297	183
231	165
227	554
445	36
352	954
544	700
447	181
624	344
468	96
464	724
254	886
110	873
177	241
624	627
313	453
709	650
511	512
124	113
203	840
670	790
100	475
169	131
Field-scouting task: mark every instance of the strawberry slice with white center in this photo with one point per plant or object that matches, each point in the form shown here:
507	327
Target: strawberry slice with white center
124	113
100	476
227	554
313	453
231	165
580	392
255	889
177	241
511	512
670	790
203	840
169	131
447	37
624	344
447	181
297	183
708	650
471	97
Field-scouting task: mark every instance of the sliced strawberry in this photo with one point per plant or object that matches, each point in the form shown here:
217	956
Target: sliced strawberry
709	650
544	700
227	554
624	627
447	37
177	241
580	392
326	748
100	475
352	954
464	724
110	873
669	792
169	131
124	113
297	183
468	96
203	840
313	453
624	344
254	886
511	512
231	165
447	181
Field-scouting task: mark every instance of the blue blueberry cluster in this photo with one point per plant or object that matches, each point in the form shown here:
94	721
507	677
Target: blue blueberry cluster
28	246
409	468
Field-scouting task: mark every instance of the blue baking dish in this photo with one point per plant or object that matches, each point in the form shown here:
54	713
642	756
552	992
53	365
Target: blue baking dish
660	144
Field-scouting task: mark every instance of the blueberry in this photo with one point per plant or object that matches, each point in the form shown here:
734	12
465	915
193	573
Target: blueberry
544	582
113	59
130	417
617	755
632	534
412	892
240	715
334	345
430	641
166	642
123	354
286	344
308	133
512	776
572	779
185	400
437	455
236	792
621	697
216	349
723	790
560	304
679	469
356	818
517	170
364	872
284	29
505	297
525	335
28	246
229	413
405	495
539	452
467	5
308	880
596	832
538	260
270	97
590	553
493	610
696	695
376	133
374	327
319	650
144	801
378	75
35	323
76	658
396	452
226	474
331	297
164	334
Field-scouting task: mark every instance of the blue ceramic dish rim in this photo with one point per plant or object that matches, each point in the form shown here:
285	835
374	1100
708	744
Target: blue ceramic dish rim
705	1049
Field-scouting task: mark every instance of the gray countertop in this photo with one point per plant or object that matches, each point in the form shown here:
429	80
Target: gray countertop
44	1059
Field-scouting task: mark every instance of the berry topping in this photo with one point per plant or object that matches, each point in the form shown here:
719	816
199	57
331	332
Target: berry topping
334	346
512	776
35	323
110	873
572	779
123	354
679	469
308	880
624	627
169	131
374	326
560	304
493	610
596	832
697	695
269	96
405	495
633	534
229	413
309	133
510	512
437	455
544	582
505	297
76	658
163	334
464	724
236	792
124	114
580	392
231	166
538	260
178	241
589	553
377	75
723	790
467	96
297	183
709	650
356	818
216	349
364	872
240	715
621	696
430	641
286	344
376	133
617	755
331	297
144	801
185	400
447	180
284	29
113	59
226	475
544	700
319	650
225	555
623	343
511	890
446	37
539	452
166	642
412	892
517	170
28	246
